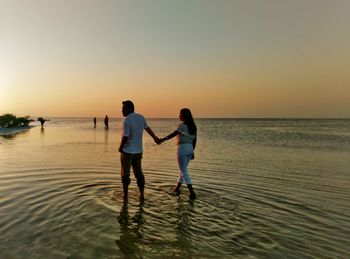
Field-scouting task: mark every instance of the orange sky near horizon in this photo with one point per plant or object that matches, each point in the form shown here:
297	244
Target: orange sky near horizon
223	59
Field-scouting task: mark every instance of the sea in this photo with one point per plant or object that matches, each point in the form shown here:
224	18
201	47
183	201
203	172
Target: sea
266	188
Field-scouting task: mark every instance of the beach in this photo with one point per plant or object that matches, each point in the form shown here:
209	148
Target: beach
266	189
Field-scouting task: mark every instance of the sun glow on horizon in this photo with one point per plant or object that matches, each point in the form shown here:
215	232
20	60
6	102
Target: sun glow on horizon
228	59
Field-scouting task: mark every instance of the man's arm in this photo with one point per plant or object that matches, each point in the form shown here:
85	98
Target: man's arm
151	133
122	143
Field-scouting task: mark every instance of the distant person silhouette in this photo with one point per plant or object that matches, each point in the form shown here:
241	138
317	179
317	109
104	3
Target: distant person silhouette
94	122
186	142
131	147
106	122
42	121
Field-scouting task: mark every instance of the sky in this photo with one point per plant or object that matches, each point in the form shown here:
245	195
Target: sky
222	58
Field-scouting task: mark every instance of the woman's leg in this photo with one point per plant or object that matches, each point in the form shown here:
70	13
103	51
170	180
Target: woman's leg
184	154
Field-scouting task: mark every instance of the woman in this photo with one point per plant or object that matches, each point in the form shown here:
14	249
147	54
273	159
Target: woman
186	142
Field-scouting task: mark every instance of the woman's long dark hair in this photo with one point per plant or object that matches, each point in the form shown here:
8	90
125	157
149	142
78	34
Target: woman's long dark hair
188	120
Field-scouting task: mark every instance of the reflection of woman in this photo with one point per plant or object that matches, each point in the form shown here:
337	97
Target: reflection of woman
186	142
184	216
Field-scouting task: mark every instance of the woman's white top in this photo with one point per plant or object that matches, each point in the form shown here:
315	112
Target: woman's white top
184	137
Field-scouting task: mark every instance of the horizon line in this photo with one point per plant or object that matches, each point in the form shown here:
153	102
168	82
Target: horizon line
237	118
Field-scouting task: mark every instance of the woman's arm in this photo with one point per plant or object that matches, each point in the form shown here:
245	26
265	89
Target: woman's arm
194	142
170	136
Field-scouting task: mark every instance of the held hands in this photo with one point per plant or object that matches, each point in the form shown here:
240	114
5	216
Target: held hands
159	140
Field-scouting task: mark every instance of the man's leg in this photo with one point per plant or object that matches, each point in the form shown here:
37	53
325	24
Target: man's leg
125	160
136	166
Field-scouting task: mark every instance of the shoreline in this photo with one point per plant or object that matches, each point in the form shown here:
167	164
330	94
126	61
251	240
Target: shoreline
14	130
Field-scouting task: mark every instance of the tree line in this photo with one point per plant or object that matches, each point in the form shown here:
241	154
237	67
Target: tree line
9	120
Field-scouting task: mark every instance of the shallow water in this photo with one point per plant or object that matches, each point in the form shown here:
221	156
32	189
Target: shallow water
266	189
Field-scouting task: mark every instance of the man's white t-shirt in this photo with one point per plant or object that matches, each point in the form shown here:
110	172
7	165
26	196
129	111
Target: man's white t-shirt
133	127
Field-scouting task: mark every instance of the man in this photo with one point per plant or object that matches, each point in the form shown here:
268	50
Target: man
131	147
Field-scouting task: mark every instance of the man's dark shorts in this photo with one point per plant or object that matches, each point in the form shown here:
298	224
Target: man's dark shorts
131	160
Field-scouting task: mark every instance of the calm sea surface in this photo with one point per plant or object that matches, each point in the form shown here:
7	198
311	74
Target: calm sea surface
266	189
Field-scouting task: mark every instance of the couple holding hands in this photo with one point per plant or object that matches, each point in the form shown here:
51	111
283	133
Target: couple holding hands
131	147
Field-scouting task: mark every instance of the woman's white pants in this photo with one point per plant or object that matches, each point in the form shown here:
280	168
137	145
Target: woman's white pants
184	154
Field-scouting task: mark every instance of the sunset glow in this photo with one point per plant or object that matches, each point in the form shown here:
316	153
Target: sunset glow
219	58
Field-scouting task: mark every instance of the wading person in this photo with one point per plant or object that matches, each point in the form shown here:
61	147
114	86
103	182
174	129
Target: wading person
42	121
131	147
186	142
106	122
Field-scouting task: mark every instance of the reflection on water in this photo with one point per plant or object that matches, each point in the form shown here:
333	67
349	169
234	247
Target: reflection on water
106	136
184	213
15	134
9	136
266	189
130	235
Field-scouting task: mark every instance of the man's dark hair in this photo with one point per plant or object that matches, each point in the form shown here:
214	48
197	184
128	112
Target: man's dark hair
129	104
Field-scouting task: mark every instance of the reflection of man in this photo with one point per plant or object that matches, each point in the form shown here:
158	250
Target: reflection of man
131	147
130	231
